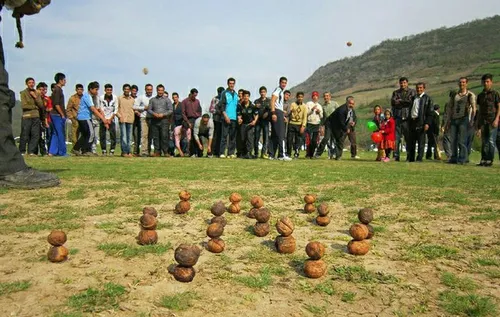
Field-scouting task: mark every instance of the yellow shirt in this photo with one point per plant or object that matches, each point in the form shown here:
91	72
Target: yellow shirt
298	114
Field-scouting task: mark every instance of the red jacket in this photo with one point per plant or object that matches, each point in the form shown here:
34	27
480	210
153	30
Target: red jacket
388	129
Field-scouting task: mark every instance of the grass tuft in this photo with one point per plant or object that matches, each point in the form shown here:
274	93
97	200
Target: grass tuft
179	302
97	300
358	274
455	282
131	251
13	287
467	305
420	252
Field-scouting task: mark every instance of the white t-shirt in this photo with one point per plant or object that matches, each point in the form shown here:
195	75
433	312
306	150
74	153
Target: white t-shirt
280	94
141	103
109	108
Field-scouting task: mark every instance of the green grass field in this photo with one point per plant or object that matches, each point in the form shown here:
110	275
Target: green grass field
436	250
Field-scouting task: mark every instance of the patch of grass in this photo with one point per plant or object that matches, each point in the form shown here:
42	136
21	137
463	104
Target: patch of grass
110	226
13	287
455	282
97	300
440	211
488	261
73	251
316	310
36	227
486	217
275	270
179	302
130	251
60	314
418	252
76	194
358	274
326	288
261	281
348	297
467	305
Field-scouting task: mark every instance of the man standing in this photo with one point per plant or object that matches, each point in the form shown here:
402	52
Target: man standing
160	109
191	110
141	106
341	122
329	107
488	102
14	173
262	127
461	108
433	135
125	114
58	115
203	128
44	118
314	118
248	116
108	104
297	122
72	111
86	138
31	103
278	122
420	120
228	106
217	119
137	126
401	101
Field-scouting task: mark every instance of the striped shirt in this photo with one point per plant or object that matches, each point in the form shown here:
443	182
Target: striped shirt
280	94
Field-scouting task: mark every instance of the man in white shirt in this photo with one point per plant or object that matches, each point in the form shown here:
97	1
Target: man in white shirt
141	105
107	105
278	122
314	119
420	119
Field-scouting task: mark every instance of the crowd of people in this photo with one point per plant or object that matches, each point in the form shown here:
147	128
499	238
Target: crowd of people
269	127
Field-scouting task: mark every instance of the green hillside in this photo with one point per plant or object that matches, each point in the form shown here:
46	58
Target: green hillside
438	57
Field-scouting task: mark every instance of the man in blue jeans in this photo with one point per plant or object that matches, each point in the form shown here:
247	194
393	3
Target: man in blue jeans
228	106
58	116
488	102
461	106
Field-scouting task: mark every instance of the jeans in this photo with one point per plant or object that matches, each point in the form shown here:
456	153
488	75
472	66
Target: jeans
458	137
247	134
447	143
402	130
228	130
30	135
488	138
58	137
262	127
112	136
125	132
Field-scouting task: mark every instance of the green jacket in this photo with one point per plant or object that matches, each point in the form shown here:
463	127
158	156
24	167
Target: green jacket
31	106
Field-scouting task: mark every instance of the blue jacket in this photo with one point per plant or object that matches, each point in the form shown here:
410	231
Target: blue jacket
229	103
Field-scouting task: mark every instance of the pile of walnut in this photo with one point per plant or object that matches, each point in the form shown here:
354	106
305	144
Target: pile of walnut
262	215
148	223
285	242
361	233
57	253
183	206
187	256
314	267
235	200
216	228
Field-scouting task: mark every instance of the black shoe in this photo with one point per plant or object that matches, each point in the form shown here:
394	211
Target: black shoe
246	157
451	162
488	164
480	164
396	159
29	178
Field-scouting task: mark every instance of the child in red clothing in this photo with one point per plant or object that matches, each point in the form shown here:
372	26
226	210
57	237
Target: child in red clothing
388	130
378	119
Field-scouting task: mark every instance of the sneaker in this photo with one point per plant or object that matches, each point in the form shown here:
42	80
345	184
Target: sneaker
232	156
265	156
222	156
284	159
210	156
74	152
29	178
317	156
356	157
104	153
296	156
193	156
271	158
111	153
488	164
480	163
88	154
246	157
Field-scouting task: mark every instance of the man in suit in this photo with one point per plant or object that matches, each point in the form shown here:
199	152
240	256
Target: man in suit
341	122
420	120
401	102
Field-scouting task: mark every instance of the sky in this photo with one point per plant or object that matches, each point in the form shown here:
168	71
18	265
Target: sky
199	43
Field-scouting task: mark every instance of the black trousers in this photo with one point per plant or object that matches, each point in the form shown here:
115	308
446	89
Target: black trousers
160	133
42	142
192	144
417	135
203	140
247	134
327	141
11	160
278	136
294	139
339	136
402	130
228	137
217	138
312	131
261	128
30	135
137	133
86	136
112	136
431	145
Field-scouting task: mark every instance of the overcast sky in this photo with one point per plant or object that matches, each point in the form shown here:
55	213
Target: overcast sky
199	43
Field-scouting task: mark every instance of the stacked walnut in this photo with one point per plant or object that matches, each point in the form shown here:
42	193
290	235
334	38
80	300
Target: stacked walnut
315	267
214	232
183	206
234	207
285	242
58	252
256	203
187	256
361	233
309	207
323	219
148	223
262	227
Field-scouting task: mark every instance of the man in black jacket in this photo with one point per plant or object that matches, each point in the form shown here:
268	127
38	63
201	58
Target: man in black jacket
420	120
341	122
401	103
